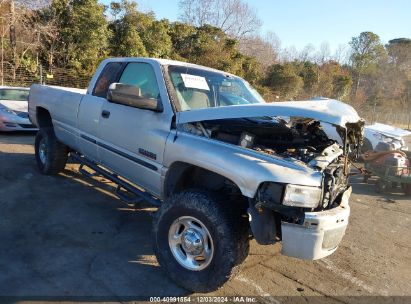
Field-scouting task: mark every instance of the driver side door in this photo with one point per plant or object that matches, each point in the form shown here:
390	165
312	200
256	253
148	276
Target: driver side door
132	139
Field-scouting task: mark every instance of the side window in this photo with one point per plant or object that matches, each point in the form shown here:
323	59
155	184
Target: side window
108	75
141	75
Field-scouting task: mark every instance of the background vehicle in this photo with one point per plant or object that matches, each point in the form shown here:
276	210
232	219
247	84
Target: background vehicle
392	169
218	161
391	137
14	109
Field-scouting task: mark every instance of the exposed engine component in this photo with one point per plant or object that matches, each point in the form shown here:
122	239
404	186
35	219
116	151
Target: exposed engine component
298	139
301	139
246	140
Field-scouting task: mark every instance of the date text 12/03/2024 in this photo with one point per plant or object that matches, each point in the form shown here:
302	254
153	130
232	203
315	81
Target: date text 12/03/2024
204	299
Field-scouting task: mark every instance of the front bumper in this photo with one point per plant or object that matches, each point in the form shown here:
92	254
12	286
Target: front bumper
319	235
10	122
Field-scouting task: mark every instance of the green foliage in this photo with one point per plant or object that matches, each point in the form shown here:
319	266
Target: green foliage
83	32
399	51
284	80
78	34
180	34
308	71
367	51
341	86
156	39
125	39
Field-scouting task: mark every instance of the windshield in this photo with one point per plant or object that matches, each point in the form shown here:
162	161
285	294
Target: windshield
197	88
14	94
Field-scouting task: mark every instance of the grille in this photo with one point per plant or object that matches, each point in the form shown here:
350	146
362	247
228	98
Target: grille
23	114
333	237
27	126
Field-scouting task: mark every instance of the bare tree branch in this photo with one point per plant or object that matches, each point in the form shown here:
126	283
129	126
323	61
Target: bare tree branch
235	17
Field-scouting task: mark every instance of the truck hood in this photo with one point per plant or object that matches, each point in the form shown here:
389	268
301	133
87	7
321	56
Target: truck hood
329	111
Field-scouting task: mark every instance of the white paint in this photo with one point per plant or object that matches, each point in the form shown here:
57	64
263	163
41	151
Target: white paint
15	105
261	292
195	82
348	276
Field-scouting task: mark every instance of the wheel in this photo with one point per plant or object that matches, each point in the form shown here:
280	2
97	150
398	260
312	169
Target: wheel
51	155
406	187
199	243
366	146
380	186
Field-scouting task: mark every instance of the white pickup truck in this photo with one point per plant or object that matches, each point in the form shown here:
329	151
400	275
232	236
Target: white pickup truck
222	164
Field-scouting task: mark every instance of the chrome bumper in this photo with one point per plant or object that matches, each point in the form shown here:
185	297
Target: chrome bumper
319	235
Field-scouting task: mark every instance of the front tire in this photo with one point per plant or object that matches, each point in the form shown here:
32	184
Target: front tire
51	155
198	241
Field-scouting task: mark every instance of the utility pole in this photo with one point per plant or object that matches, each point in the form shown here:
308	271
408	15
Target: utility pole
2	52
374	110
409	108
13	35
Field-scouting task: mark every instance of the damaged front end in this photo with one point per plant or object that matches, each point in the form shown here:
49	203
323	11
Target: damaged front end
310	221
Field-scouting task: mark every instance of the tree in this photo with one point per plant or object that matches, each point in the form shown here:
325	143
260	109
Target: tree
308	71
50	44
180	34
283	80
306	53
367	51
234	17
156	39
125	40
264	49
324	54
16	23
83	33
394	75
399	51
341	54
334	81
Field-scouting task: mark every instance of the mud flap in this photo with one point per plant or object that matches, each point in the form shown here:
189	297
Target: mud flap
263	224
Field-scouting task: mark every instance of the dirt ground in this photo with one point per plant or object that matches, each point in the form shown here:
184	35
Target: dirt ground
69	238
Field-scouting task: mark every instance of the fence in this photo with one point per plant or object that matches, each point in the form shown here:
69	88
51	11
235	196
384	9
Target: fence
396	115
71	78
60	77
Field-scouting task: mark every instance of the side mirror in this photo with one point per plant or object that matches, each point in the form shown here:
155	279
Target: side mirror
129	95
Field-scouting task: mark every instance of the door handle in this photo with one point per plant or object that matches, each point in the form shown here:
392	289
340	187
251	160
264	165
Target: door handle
105	114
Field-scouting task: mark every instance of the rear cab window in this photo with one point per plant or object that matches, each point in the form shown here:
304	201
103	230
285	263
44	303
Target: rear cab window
109	75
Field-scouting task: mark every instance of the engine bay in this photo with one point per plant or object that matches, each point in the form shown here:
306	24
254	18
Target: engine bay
302	139
320	146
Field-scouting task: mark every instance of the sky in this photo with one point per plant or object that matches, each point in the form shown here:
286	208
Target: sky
302	22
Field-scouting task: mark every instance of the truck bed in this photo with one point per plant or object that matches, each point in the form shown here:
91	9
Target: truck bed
63	104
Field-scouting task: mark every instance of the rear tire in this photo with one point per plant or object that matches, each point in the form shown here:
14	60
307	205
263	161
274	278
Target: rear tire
382	187
219	229
51	155
406	188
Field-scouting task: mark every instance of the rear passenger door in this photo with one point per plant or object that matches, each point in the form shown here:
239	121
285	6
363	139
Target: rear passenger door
89	114
132	139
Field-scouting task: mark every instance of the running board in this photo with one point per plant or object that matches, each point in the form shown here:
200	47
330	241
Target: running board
131	195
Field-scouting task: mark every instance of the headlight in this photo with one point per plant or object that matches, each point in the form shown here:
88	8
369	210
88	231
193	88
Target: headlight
302	196
8	111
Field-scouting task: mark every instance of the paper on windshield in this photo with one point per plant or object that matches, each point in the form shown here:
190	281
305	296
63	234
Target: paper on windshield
195	82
